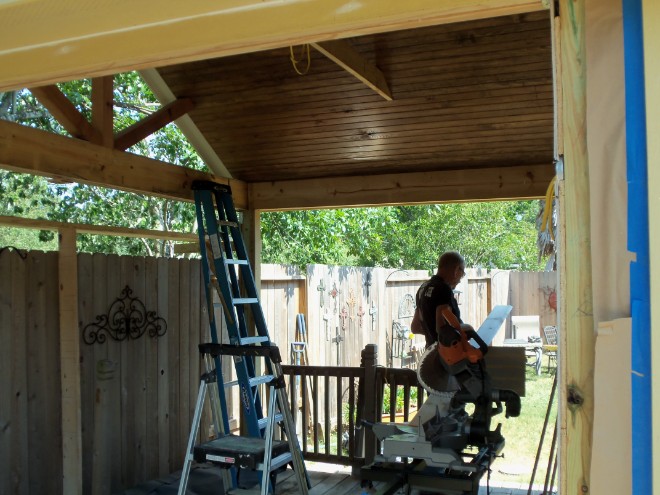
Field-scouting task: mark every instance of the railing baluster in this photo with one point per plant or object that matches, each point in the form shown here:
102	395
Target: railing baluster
340	452
315	403
351	422
326	394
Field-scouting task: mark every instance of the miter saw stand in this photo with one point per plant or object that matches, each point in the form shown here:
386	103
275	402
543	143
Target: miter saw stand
444	449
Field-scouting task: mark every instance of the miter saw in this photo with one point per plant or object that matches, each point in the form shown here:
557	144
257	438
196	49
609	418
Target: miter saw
444	448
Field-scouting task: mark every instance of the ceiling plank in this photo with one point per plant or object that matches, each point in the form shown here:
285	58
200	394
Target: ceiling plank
505	183
45	42
66	113
147	126
343	54
102	109
32	151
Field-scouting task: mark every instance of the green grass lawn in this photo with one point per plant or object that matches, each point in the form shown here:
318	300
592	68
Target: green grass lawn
522	434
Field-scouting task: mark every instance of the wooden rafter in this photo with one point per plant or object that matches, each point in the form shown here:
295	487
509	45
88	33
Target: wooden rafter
46	43
102	108
343	54
521	182
150	124
66	113
33	151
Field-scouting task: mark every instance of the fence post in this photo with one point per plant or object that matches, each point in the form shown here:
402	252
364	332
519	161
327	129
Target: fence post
369	413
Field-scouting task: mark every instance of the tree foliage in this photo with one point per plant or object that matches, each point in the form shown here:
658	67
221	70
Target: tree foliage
492	235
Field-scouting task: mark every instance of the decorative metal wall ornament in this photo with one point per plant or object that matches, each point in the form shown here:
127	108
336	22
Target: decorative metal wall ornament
334	293
321	289
360	314
127	319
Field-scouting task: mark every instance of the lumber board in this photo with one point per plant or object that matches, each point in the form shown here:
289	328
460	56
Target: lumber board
343	54
81	228
164	367
151	437
432	187
82	41
651	14
32	151
576	399
7	426
153	122
102	110
69	363
66	113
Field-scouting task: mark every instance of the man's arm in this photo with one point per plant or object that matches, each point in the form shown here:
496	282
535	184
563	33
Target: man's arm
416	324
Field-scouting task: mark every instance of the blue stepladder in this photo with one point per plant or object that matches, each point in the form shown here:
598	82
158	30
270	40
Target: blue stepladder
228	277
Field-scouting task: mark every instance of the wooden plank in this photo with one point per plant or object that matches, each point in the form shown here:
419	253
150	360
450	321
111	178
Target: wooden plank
650	16
66	113
343	54
130	373
151	379
32	151
138	364
82	41
7	354
177	443
40	224
577	361
102	109
186	408
430	187
19	349
87	368
69	363
152	123
163	368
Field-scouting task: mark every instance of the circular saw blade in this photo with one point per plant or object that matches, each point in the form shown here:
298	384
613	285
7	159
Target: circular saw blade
433	376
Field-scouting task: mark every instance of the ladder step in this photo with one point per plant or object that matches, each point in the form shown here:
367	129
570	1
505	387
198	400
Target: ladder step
253	381
278	462
263	422
258	380
227	223
254	340
245	300
235	261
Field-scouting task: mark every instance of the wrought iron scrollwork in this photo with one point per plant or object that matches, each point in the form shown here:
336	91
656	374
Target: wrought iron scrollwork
127	319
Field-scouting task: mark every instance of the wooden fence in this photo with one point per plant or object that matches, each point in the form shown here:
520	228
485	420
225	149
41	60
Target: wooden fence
138	395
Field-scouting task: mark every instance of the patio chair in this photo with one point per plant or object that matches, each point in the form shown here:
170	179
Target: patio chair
550	347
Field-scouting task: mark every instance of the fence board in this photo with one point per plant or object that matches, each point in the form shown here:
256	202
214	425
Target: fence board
7	429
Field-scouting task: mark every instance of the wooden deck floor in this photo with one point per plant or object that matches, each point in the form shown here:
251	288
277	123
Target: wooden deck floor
326	479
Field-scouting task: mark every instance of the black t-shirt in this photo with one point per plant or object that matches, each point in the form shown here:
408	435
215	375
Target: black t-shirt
431	294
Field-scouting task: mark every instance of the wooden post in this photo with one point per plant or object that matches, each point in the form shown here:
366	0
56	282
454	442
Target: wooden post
369	363
576	398
70	364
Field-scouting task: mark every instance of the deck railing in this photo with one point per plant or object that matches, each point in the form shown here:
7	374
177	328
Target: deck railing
329	404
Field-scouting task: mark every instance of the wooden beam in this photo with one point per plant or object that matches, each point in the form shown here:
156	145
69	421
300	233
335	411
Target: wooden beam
70	364
343	54
44	42
82	228
32	151
65	113
522	182
137	132
102	109
577	331
186	125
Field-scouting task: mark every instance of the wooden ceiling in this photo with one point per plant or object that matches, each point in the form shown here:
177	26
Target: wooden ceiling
469	95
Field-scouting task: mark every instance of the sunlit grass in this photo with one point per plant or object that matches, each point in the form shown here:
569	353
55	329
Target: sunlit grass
523	433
